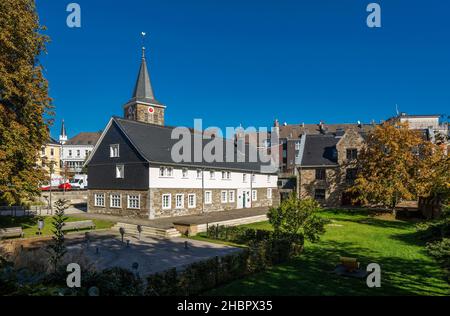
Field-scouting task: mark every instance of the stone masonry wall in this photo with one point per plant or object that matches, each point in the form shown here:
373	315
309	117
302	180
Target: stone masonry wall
142	212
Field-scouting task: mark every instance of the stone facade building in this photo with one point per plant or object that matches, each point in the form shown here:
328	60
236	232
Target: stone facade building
327	166
132	172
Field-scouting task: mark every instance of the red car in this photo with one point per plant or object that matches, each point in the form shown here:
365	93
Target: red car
65	186
45	188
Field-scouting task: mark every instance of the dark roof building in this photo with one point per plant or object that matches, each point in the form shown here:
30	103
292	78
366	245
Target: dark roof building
84	138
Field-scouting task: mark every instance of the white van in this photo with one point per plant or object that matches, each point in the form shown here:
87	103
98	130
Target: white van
79	181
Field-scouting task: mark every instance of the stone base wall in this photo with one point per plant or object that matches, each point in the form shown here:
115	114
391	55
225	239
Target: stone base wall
124	211
151	202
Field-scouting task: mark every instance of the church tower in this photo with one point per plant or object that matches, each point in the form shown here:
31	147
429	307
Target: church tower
63	134
143	106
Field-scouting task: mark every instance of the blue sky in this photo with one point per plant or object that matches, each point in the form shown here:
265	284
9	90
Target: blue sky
248	62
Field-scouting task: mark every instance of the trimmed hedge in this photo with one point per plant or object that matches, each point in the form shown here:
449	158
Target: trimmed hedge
264	250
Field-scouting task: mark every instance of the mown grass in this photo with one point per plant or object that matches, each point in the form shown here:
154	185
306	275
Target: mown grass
30	228
405	267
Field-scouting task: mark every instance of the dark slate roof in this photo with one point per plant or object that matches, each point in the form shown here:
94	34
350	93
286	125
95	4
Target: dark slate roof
84	138
294	131
154	142
53	141
320	150
143	91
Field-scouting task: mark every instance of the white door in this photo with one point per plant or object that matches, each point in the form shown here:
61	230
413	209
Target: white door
240	198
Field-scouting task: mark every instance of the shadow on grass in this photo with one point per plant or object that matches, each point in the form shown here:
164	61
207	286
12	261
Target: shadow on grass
312	274
19	221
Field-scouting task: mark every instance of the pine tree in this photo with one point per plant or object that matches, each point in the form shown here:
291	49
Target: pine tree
58	249
25	109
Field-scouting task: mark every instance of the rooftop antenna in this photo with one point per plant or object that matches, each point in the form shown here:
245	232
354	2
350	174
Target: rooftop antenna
143	34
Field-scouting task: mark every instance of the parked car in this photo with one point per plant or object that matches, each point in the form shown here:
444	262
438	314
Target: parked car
45	187
79	181
65	186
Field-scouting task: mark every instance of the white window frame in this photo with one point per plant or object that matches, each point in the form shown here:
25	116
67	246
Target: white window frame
169	205
185	173
134	198
268	178
269	193
253	178
244	177
112	198
212	175
224	174
231	196
179	206
228	175
208	193
254	195
224	198
194	203
120	171
199	174
101	197
161	171
114	150
169	171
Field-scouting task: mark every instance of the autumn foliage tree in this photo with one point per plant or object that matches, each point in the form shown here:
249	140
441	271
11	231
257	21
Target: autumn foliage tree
396	164
25	107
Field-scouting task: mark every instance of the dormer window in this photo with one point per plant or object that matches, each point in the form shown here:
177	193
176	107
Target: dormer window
165	171
114	151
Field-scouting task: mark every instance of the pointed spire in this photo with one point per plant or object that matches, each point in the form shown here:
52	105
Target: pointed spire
63	134
143	89
63	129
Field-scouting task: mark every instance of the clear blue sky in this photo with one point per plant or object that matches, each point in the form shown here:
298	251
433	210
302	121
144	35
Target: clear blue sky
249	61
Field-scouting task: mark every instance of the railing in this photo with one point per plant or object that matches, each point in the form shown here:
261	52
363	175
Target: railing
17	211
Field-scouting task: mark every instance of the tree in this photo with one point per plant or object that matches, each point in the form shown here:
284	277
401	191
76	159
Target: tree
295	216
397	164
25	108
57	250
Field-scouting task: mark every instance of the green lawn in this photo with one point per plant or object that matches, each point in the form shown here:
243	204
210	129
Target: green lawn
405	267
29	224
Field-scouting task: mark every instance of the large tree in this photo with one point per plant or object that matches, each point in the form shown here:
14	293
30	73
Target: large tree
25	107
396	164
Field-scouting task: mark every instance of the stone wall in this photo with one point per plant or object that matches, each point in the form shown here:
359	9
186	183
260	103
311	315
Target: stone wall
151	202
142	212
143	115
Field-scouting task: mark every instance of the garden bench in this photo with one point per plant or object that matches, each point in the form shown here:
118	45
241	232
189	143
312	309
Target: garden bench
350	264
11	232
78	225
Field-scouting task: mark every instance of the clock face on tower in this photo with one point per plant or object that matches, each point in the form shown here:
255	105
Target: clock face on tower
151	110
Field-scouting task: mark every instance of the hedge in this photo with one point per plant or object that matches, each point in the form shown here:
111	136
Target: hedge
264	250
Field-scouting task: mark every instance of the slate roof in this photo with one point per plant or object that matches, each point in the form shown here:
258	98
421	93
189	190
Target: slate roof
320	150
154	142
84	138
143	91
53	141
295	130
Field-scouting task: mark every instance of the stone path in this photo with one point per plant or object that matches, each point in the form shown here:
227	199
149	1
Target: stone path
166	223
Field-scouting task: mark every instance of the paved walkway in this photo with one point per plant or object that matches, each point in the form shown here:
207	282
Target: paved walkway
166	223
152	254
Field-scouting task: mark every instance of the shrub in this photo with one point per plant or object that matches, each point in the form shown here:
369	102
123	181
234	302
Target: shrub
298	217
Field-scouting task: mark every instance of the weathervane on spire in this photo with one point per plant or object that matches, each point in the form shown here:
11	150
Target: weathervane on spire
143	43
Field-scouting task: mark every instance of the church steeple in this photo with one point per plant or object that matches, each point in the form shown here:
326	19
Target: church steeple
143	106
63	134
